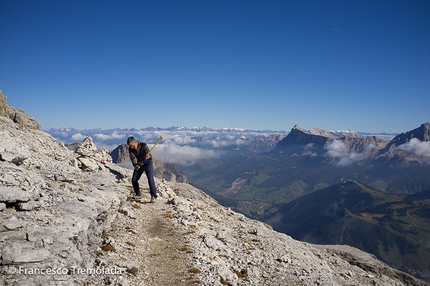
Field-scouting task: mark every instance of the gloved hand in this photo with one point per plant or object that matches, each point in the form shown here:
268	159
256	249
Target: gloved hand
137	167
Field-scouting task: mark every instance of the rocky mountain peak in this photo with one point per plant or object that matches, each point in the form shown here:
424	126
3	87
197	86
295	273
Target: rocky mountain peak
297	127
300	140
314	131
322	132
421	133
403	145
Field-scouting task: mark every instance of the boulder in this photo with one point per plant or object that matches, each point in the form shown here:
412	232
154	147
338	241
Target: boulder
14	195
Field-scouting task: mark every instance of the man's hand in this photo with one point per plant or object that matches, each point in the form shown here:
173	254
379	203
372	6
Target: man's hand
137	167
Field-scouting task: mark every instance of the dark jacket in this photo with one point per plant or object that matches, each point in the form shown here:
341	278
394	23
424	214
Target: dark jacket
138	155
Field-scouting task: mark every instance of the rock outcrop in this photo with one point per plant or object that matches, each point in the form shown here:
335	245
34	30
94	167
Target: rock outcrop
17	115
66	218
302	142
53	212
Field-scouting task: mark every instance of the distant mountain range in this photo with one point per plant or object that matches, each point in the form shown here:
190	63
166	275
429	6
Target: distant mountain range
182	145
200	139
198	135
68	133
406	147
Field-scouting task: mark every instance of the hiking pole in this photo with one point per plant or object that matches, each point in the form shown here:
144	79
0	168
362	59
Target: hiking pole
153	147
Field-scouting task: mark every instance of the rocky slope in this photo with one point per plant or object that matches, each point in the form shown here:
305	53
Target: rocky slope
67	219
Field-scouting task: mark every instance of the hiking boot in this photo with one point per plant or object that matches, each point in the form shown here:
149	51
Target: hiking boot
152	200
137	198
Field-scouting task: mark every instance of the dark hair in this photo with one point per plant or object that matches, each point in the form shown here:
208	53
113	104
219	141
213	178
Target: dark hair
131	139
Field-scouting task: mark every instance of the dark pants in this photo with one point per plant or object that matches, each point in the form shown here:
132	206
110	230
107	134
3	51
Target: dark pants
147	168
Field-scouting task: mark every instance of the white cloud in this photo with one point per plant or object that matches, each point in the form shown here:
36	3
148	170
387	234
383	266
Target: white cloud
78	137
307	150
220	144
145	136
178	154
114	135
338	149
417	147
183	140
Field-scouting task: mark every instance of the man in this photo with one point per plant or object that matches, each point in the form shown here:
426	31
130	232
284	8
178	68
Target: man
142	162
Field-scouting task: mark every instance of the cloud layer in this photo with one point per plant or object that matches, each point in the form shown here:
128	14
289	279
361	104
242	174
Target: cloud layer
191	145
416	147
339	150
184	155
179	147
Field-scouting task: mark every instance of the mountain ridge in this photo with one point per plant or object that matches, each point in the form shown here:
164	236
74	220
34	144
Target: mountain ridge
320	142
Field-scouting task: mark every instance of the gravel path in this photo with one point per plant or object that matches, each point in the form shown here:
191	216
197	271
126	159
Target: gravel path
148	245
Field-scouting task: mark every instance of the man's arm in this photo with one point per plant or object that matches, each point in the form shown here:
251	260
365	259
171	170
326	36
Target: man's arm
146	151
133	158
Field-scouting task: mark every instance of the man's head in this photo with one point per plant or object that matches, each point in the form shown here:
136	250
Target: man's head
132	142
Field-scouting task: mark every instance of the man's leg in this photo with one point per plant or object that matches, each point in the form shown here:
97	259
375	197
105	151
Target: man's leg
135	181
149	171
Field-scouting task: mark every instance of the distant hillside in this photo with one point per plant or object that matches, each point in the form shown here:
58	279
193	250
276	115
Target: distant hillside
395	228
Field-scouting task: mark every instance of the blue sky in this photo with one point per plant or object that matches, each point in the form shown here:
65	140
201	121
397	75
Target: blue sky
361	65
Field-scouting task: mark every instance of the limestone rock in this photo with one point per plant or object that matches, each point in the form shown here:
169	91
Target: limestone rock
24	120
4	106
14	195
87	163
22	252
89	158
17	115
87	148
